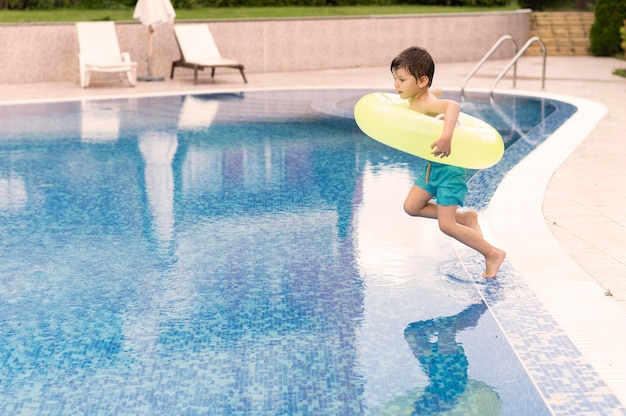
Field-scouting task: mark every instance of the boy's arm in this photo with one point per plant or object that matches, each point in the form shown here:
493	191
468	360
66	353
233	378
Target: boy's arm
443	145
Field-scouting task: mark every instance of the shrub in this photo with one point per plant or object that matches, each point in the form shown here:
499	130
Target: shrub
622	32
37	4
484	3
539	5
604	35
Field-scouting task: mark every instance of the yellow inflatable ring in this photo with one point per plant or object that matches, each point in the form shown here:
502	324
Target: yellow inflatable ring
386	118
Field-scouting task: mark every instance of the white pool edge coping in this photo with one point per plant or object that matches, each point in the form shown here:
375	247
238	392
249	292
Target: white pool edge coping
594	322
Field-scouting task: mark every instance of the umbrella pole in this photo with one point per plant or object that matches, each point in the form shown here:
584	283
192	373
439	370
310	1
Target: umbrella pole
149	77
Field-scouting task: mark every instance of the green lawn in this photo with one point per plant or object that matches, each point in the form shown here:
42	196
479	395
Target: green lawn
73	15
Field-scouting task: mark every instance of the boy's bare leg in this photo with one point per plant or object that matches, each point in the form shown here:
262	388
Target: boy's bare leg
459	224
494	257
417	204
469	219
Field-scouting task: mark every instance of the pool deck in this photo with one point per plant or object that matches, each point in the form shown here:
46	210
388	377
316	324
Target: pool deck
567	199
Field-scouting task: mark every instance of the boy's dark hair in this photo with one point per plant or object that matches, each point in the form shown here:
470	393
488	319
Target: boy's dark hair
417	62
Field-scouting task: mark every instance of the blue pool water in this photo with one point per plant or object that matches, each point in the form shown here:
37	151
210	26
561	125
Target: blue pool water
243	254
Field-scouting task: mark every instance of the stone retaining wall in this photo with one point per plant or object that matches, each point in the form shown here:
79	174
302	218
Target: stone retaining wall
32	53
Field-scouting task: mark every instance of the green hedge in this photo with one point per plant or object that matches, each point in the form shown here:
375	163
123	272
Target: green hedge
189	4
35	4
538	5
551	5
286	3
604	36
485	3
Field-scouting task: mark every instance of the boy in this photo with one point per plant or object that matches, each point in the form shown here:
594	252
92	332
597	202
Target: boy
413	71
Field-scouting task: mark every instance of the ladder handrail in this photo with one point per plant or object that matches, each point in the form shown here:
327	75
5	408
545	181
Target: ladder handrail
519	55
487	56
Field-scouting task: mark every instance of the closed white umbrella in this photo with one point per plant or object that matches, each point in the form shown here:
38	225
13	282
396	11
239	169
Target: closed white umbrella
153	13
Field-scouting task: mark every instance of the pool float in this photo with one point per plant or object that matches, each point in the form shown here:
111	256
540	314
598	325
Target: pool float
386	117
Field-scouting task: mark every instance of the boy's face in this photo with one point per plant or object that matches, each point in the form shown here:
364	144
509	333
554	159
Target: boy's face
406	84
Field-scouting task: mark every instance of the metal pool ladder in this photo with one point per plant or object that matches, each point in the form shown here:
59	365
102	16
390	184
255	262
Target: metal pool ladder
512	63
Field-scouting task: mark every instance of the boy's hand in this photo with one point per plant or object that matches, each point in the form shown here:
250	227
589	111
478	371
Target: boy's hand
442	146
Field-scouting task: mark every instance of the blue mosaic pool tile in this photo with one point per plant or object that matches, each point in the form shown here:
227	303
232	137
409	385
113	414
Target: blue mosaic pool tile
266	324
569	384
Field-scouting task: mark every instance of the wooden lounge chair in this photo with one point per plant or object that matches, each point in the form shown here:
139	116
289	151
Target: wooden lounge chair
198	51
99	51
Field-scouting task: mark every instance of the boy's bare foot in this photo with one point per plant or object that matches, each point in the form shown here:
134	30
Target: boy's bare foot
469	219
493	263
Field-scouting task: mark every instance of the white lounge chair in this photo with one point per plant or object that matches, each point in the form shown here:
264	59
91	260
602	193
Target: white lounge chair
198	50
99	51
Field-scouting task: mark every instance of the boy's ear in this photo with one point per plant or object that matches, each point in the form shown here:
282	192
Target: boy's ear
423	81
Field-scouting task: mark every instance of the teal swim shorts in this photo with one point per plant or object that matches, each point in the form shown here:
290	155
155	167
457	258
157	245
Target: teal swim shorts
446	183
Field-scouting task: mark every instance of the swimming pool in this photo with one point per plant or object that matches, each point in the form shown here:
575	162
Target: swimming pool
245	254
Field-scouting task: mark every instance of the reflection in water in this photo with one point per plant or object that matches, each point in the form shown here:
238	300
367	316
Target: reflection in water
197	113
13	195
433	343
231	260
158	151
100	120
450	391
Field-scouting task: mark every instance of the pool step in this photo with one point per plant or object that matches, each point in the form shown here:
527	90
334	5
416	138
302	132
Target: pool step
564	33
